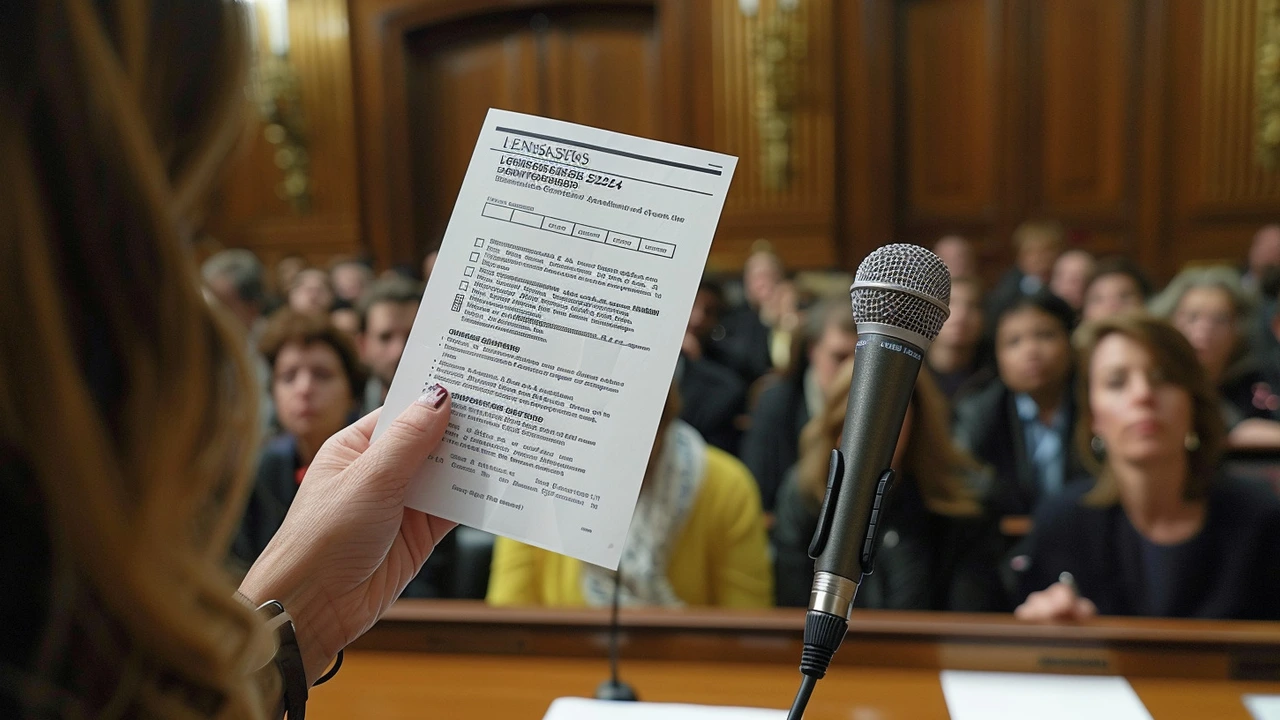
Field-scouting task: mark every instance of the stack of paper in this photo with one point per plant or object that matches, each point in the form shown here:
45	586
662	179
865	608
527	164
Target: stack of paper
569	708
1001	696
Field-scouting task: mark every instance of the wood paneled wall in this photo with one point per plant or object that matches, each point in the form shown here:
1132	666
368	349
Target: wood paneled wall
1129	120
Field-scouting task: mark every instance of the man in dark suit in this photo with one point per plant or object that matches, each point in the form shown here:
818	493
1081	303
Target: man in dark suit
714	396
772	442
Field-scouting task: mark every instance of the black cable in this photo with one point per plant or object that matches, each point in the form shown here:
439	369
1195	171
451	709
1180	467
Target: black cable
613	628
807	682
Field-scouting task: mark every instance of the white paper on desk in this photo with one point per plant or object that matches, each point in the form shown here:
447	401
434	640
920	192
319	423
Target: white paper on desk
567	708
997	696
1263	707
554	316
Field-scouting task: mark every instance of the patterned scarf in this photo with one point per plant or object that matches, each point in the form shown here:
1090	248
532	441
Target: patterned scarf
661	512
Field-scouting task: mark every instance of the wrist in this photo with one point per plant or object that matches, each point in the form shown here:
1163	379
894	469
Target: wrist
318	633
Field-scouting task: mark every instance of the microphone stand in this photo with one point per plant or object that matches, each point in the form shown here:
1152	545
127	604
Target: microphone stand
613	688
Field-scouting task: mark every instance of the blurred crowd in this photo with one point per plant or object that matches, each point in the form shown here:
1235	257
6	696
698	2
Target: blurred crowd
1078	441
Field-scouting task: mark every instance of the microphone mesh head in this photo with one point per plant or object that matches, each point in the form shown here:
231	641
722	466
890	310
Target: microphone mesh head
914	269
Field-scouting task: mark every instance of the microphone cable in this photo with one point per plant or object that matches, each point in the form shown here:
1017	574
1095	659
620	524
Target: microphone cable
823	633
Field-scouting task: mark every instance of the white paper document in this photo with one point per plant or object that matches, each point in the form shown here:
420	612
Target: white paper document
1006	696
584	709
554	316
1263	707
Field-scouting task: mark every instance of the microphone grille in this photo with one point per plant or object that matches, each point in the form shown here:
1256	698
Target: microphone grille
902	286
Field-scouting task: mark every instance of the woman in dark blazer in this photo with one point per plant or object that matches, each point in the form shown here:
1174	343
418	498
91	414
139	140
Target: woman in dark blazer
939	549
1162	533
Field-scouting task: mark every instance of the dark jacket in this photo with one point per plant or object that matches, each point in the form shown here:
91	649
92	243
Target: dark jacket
926	561
988	426
744	345
714	396
1229	571
771	444
274	489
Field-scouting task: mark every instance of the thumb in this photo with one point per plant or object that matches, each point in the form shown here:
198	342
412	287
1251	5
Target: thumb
409	439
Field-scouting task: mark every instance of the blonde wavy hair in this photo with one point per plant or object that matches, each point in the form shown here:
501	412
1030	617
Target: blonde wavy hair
940	470
125	412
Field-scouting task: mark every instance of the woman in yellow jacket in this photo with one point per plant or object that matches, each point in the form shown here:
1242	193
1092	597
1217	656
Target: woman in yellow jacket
697	538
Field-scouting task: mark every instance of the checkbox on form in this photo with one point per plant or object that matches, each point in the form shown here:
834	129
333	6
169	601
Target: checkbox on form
475	257
479	242
464	285
469	271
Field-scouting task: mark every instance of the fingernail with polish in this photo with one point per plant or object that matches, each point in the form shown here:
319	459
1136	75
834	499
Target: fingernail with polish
434	396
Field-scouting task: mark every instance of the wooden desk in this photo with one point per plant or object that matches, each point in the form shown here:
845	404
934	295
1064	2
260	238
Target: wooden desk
447	660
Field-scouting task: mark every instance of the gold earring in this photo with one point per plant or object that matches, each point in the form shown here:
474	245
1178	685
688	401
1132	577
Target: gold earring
1192	442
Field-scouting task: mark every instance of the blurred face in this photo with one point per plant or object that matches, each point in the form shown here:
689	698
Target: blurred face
957	255
287	269
832	350
760	277
1111	295
705	314
349	281
1206	317
386	332
311	294
1265	251
224	291
1037	255
348	321
1140	416
1070	273
312	395
964	325
1032	351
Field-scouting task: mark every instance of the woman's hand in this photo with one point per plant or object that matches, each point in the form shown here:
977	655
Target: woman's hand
349	545
1056	603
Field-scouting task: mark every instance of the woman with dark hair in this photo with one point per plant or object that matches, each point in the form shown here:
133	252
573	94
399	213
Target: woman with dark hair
1162	533
1020	421
127	406
315	377
939	550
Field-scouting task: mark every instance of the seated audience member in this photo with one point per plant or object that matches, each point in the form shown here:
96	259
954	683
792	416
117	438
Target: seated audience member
1020	422
1162	533
1071	273
235	280
783	316
346	318
954	355
387	310
314	377
350	278
283	274
771	444
1208	306
744	346
429	264
957	254
1264	256
714	396
310	293
1116	286
1036	246
697	538
939	551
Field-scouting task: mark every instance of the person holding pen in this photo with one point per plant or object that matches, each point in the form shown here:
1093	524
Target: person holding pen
1162	532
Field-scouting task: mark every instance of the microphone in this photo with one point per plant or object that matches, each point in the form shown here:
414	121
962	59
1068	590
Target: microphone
901	297
613	688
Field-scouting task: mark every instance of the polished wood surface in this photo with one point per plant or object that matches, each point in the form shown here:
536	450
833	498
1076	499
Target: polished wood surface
457	659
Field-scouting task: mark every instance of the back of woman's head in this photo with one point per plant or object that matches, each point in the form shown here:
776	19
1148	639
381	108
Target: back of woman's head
940	470
122	412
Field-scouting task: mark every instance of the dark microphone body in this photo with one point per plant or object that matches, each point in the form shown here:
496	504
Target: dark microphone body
900	297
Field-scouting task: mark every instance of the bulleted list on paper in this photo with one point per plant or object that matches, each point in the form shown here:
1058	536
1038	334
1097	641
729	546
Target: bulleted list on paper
554	316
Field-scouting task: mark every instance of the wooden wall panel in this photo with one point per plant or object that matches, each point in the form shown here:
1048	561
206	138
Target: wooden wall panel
1218	194
602	69
246	210
799	220
455	74
1086	58
949	90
